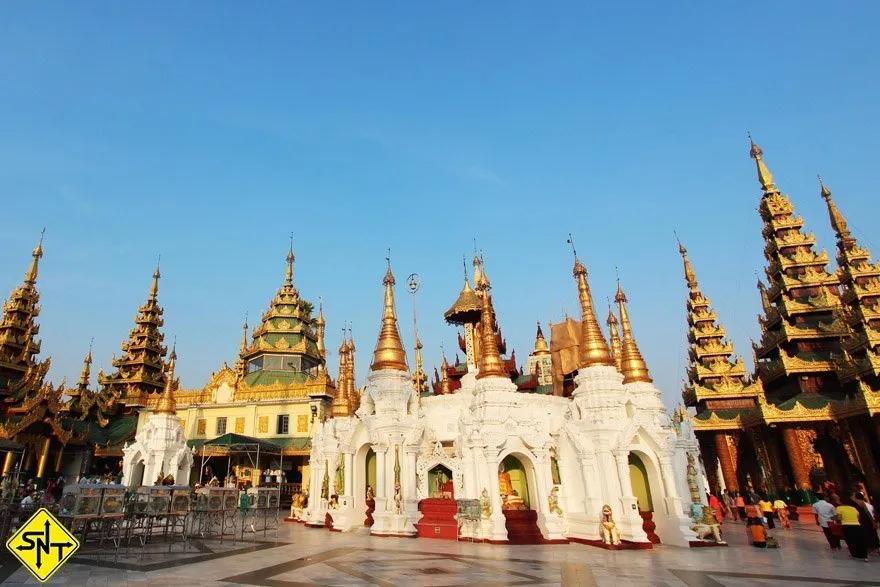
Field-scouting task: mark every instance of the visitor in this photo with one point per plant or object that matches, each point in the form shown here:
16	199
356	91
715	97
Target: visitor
767	511
729	505
825	514
848	514
715	504
781	509
868	522
756	532
740	502
28	503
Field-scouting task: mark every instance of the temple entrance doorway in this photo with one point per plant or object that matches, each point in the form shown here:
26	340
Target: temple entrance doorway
641	488
640	480
439	508
364	483
137	474
513	484
515	475
440	484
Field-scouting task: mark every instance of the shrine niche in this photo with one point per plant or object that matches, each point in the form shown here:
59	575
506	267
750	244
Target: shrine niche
513	484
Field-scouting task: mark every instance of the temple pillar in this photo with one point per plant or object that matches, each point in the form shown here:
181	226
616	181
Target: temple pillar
728	467
331	474
9	463
58	458
348	459
592	493
44	458
542	474
499	521
777	473
796	458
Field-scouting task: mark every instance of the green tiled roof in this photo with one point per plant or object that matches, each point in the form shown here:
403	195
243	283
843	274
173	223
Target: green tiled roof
811	401
723	414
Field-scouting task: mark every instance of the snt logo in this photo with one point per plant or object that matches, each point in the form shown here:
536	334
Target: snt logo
43	544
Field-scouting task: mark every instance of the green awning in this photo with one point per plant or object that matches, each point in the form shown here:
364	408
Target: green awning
241	443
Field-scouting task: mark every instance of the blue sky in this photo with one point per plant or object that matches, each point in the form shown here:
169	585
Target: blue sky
207	132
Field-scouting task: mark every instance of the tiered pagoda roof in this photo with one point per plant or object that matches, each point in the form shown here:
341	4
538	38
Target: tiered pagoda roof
717	382
21	374
285	347
860	283
139	375
801	324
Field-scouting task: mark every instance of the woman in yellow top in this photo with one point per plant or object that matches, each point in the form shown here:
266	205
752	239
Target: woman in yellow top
848	515
782	511
767	511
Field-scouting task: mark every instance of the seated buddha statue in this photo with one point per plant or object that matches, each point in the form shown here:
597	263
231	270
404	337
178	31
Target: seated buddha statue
510	499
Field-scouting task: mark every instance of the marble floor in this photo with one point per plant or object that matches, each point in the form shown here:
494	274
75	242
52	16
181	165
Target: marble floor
294	555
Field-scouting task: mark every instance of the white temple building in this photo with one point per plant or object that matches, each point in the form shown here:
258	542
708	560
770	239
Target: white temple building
540	465
159	449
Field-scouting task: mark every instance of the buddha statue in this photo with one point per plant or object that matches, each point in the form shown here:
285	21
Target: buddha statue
510	499
693	486
607	527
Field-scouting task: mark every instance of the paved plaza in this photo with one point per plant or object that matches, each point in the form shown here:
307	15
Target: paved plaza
295	555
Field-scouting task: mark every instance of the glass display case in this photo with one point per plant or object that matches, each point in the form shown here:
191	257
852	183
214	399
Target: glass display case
217	498
153	499
181	499
263	497
113	499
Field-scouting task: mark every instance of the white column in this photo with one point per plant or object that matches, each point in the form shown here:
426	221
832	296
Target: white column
349	473
621	457
380	476
668	476
542	477
410	492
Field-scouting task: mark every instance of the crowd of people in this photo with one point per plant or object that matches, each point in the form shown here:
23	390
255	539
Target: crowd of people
843	515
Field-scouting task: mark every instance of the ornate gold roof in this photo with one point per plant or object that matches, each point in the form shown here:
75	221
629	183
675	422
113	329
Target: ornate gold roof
466	308
389	353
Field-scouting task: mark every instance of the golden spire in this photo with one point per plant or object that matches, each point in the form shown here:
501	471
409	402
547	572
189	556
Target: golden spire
352	389
342	404
541	346
615	337
764	175
320	324
444	382
33	270
166	404
594	349
86	373
689	274
288	281
490	364
154	287
244	332
632	365
838	223
389	353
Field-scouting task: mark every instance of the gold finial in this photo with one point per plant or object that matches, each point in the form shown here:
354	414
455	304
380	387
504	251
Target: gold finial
33	270
615	336
86	373
444	368
764	175
389	353
342	402
689	274
632	365
541	346
838	223
288	280
244	332
594	349
490	363
166	404
320	325
154	287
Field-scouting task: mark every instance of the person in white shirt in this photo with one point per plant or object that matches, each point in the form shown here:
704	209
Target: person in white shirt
825	513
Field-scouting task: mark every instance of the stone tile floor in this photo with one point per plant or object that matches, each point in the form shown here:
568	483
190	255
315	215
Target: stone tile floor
294	555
